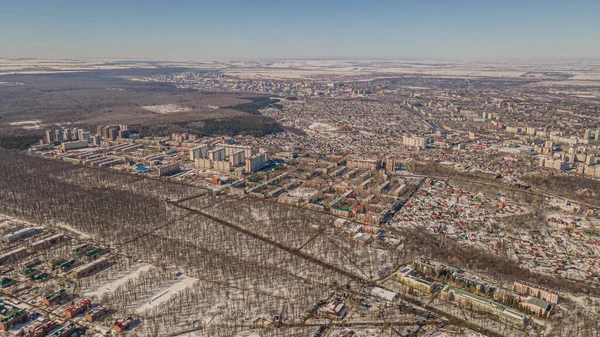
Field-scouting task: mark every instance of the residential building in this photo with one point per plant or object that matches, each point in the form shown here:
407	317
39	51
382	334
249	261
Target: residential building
55	297
256	162
95	313
526	288
408	278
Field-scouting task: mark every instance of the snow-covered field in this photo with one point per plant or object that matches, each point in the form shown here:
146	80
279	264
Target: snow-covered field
164	295
70	229
316	126
29	125
164	109
111	285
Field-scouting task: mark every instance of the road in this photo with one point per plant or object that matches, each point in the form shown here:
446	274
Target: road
358	278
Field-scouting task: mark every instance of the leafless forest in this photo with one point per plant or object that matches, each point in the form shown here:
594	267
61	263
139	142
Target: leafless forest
251	258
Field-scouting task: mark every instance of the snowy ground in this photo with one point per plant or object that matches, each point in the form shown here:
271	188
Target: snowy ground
113	284
165	109
29	125
302	192
316	126
70	229
164	295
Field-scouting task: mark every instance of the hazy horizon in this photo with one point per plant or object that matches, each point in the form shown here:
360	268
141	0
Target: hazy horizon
266	30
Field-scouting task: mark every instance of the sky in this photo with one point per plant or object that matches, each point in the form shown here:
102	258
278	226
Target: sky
300	29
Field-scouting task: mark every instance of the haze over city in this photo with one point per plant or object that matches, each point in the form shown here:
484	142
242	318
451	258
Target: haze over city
192	30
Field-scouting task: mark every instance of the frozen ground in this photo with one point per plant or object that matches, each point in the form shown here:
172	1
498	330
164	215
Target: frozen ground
113	284
302	192
70	229
321	127
29	125
164	295
165	109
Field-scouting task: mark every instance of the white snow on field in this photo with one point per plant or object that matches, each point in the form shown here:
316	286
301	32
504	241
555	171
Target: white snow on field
164	295
113	284
167	108
247	334
302	192
11	84
29	125
71	229
316	126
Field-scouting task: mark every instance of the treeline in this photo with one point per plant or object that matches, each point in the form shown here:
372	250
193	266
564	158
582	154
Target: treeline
242	125
256	104
19	142
435	169
567	187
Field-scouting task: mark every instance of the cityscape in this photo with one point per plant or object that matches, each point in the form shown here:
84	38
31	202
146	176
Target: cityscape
258	195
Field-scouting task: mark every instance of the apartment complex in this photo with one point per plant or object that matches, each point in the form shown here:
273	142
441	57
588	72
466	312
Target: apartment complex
407	277
526	288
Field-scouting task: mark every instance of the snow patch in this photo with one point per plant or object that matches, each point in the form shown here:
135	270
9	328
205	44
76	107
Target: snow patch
114	284
165	109
164	295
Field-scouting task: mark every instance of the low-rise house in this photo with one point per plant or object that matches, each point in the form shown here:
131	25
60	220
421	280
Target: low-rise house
123	324
95	313
11	316
387	295
78	308
55	297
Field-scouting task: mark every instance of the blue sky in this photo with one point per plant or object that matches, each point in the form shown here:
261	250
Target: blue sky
236	29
